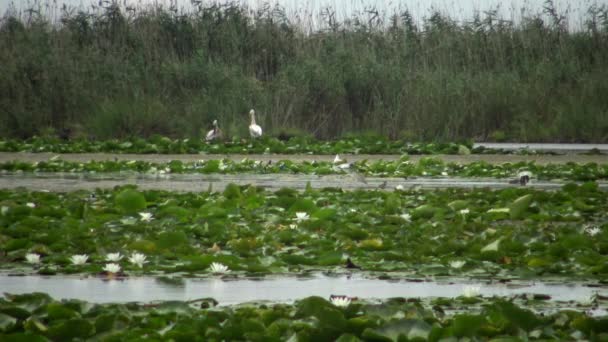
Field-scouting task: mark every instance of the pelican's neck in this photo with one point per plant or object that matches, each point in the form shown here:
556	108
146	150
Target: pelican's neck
253	118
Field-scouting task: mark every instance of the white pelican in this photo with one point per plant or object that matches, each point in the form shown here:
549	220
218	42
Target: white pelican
254	130
215	133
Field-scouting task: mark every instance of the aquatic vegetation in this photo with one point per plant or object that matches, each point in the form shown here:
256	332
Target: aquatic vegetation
113	257
340	301
301	216
263	145
146	217
112	268
79	259
457	264
32	258
471	290
138	259
403	167
218	268
36	316
509	233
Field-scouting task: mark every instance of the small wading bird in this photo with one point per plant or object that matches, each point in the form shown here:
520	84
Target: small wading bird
522	179
215	133
254	129
342	165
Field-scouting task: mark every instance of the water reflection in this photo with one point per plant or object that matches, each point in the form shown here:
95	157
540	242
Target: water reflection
233	291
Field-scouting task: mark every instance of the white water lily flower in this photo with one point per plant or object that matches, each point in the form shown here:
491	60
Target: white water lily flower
407	217
337	159
593	231
138	259
146	217
31	205
302	216
464	212
340	301
444	173
216	267
112	268
222	166
471	291
293	226
79	259
113	257
32	258
399	187
457	263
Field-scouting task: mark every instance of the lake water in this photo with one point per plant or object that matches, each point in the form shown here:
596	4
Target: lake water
279	289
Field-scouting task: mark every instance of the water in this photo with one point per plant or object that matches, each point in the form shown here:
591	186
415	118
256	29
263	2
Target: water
64	182
276	289
559	148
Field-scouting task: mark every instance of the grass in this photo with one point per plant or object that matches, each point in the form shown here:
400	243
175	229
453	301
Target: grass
117	73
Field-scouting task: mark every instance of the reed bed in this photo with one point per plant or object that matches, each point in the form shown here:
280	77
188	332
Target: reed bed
118	72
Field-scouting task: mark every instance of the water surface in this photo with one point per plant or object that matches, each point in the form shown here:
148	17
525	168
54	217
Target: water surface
277	289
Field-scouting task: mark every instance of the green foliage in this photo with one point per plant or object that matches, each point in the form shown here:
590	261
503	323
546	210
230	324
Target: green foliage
130	201
113	73
257	231
311	319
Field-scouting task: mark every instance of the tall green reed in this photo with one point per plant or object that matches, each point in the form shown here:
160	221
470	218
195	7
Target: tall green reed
119	72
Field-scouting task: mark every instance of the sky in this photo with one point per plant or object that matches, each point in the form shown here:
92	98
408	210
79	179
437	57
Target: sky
457	9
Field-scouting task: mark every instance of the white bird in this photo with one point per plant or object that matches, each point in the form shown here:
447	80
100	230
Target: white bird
341	165
254	129
215	133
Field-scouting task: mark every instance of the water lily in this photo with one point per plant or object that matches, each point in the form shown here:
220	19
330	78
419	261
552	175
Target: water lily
113	257
222	166
216	267
112	268
464	212
457	263
444	173
146	217
337	159
79	259
593	231
302	216
340	301
138	259
31	205
407	217
293	226
32	258
471	291
399	187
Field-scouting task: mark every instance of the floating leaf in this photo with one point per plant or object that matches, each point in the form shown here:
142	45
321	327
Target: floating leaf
130	201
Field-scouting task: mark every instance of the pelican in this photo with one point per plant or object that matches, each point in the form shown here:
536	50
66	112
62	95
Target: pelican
215	133
254	129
